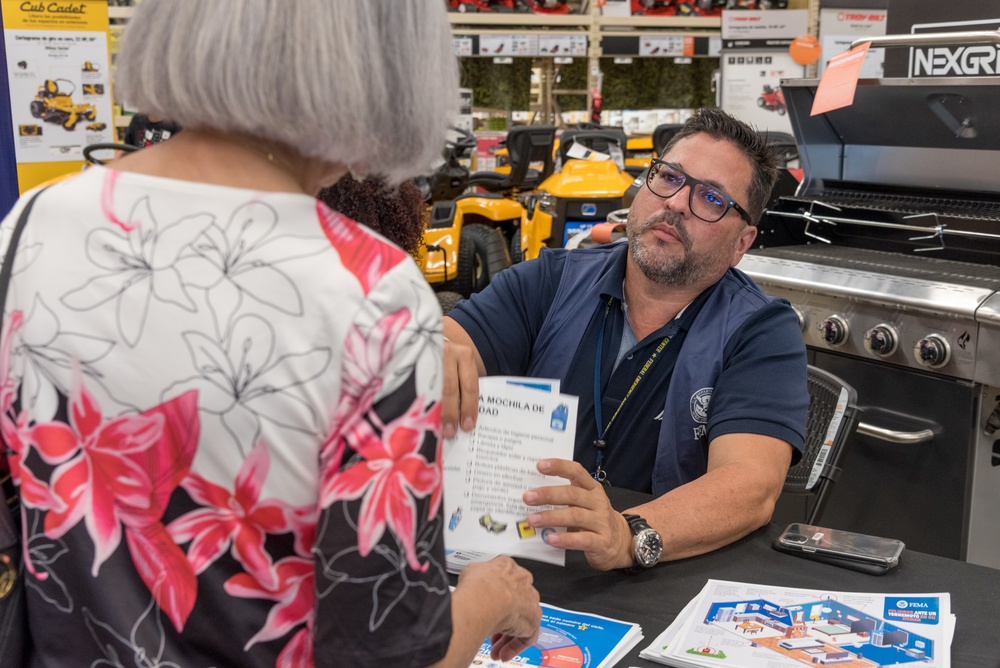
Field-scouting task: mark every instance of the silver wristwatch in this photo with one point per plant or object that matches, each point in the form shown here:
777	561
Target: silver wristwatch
647	545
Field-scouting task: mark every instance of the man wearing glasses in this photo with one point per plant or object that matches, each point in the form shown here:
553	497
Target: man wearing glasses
691	383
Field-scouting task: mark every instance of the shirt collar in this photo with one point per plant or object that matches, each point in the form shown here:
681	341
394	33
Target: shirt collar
612	284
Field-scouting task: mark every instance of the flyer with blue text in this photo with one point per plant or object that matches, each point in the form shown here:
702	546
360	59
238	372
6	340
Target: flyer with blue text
742	625
487	470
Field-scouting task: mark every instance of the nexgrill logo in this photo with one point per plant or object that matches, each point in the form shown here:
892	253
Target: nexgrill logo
953	61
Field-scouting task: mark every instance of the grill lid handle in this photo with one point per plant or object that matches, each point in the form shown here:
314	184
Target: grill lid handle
894	436
939	38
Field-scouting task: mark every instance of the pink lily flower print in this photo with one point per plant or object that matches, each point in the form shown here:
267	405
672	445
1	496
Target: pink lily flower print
293	592
368	258
121	472
238	521
390	474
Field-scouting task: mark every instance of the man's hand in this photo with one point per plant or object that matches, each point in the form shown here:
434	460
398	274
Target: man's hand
593	525
462	369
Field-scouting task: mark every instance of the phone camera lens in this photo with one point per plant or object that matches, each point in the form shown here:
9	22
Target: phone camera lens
796	538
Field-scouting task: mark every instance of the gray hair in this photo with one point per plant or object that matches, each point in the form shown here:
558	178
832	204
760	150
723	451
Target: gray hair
371	84
720	126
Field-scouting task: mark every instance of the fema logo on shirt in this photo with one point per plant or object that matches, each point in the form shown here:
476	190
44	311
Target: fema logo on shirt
699	404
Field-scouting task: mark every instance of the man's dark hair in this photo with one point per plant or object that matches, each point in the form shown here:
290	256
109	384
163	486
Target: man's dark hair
395	213
722	127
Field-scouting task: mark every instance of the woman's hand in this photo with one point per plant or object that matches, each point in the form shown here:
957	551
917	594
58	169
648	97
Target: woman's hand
507	589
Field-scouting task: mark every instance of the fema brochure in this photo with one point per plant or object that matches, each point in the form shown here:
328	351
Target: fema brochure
743	625
570	639
487	470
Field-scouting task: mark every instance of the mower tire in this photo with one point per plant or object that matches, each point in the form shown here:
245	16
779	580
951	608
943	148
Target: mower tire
516	254
447	300
37	108
482	254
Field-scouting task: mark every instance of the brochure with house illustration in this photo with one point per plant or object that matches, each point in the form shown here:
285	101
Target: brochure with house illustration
570	639
742	625
487	470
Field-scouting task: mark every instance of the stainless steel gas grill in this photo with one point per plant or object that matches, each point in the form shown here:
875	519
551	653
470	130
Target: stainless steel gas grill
890	253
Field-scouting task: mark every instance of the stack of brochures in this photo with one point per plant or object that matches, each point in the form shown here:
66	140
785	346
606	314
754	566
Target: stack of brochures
456	560
571	639
743	625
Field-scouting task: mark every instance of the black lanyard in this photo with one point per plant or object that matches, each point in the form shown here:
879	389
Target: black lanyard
600	443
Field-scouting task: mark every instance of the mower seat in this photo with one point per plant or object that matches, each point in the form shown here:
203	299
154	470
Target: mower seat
784	146
601	141
662	135
525	144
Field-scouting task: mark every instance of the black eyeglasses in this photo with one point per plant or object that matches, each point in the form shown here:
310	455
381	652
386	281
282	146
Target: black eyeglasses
705	201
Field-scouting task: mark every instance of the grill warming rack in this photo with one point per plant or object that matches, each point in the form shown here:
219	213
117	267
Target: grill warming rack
909	207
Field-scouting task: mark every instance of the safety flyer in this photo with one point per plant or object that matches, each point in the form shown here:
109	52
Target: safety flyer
744	625
570	639
487	470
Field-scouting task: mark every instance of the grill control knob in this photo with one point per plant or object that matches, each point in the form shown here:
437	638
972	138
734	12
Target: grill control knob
834	330
932	351
881	340
801	318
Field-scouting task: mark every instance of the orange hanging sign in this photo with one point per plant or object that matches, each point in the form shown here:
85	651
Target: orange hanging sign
836	88
805	50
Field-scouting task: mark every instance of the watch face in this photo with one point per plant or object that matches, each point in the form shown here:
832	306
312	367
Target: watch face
648	546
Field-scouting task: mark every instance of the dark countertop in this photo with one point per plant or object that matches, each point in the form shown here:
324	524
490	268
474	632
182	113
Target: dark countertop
654	598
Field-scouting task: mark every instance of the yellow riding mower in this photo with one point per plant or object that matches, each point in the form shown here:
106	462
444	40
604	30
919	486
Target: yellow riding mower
638	155
588	186
467	237
54	106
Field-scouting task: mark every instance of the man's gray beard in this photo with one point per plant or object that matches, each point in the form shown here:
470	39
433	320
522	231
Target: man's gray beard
689	269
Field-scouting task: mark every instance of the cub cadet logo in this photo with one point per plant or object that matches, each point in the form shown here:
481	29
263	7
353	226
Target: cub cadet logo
965	60
54	7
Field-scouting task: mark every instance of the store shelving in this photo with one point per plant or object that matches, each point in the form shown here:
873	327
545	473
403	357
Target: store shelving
592	23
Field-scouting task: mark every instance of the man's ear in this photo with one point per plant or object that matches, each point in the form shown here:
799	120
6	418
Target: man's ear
743	243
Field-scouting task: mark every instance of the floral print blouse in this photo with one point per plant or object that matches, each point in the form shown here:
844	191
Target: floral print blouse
221	407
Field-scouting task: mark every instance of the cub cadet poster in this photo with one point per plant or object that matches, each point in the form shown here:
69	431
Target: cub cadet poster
58	73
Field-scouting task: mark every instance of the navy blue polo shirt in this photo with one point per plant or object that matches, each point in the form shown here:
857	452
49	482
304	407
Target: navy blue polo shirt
504	320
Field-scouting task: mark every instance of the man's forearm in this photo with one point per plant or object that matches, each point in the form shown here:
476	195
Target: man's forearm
736	496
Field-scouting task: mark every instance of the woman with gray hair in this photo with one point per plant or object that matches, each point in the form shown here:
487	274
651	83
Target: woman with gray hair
220	399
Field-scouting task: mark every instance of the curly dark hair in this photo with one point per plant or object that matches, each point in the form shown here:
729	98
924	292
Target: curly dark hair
395	213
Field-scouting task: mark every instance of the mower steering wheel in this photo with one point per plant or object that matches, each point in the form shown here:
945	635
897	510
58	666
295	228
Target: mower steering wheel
88	151
466	139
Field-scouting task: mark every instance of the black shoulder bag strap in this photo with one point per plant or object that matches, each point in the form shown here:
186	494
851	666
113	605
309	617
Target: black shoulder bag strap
9	533
15	640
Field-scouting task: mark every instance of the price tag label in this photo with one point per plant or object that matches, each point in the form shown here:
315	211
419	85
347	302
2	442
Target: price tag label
496	45
562	45
462	45
666	45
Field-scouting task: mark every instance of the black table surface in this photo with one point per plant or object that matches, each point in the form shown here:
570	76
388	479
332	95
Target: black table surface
653	598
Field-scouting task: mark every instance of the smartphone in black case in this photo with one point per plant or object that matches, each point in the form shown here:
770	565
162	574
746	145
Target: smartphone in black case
857	551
